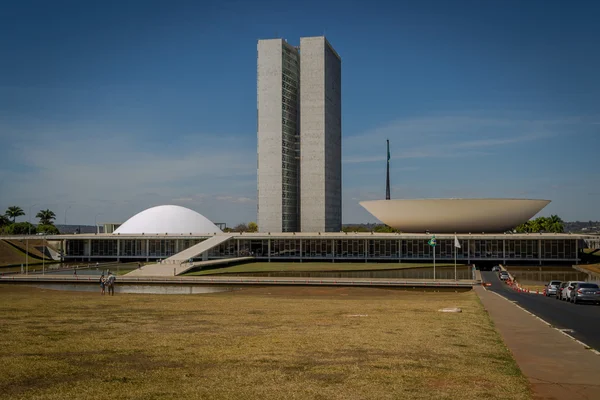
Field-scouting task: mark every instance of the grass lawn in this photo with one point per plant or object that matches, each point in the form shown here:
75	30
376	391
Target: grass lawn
255	343
311	266
9	255
592	267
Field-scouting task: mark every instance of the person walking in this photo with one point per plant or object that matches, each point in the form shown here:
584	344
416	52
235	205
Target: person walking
102	284
110	283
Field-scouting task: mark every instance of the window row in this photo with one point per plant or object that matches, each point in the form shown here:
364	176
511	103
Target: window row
344	248
408	248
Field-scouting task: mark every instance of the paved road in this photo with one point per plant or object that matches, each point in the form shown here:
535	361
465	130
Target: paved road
583	319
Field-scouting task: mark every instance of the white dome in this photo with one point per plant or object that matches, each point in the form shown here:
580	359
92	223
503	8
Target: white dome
167	219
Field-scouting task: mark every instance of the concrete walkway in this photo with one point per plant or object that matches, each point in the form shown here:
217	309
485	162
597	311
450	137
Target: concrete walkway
557	366
174	269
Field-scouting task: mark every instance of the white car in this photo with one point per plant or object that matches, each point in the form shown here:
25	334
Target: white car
566	292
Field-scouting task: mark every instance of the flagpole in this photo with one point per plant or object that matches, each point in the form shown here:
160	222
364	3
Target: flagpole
455	258
434	263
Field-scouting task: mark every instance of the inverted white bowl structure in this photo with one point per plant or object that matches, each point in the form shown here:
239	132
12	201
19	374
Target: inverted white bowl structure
454	215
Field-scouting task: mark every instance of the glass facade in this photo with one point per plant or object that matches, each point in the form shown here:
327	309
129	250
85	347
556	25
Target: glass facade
333	248
289	134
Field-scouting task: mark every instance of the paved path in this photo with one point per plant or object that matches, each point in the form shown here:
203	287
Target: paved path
176	268
557	367
582	320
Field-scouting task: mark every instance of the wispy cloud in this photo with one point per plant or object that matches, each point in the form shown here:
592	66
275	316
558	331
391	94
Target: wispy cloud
447	137
236	200
123	173
114	174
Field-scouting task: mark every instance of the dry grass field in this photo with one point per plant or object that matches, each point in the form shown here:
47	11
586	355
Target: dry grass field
254	343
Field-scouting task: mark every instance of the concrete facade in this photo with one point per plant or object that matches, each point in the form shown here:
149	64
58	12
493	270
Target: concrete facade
513	249
277	130
299	169
320	138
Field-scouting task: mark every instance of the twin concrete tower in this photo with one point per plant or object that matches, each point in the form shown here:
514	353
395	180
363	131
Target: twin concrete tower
299	108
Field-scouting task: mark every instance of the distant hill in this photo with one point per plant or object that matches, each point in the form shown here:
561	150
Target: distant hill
583	227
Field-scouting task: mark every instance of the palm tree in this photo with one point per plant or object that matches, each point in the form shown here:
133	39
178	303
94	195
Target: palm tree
46	217
539	224
555	224
14	212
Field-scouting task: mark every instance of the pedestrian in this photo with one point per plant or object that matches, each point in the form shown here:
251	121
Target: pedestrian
102	284
110	283
139	265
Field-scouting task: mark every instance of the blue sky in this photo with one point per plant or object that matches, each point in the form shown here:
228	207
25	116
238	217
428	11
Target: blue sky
110	107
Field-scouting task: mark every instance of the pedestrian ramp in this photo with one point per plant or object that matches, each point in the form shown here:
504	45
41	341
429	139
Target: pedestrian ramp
198	249
174	269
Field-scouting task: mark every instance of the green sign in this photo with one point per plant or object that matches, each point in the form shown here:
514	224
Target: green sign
432	242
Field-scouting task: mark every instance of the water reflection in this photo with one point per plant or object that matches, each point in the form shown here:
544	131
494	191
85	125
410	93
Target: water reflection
408	273
143	289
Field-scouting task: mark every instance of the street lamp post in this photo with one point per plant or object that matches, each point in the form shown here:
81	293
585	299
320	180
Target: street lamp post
96	223
44	255
27	241
67	209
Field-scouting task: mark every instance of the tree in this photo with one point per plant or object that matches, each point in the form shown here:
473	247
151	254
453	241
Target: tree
14	212
240	228
48	229
552	224
555	224
252	227
384	229
355	228
4	221
46	217
19	228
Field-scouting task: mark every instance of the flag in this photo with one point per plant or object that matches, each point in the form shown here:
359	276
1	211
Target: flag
432	242
456	242
388	151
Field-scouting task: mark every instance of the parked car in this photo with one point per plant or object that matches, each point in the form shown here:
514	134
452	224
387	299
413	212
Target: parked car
552	287
561	287
585	292
566	292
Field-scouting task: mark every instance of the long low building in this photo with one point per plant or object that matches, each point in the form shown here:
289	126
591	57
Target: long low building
506	248
166	233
